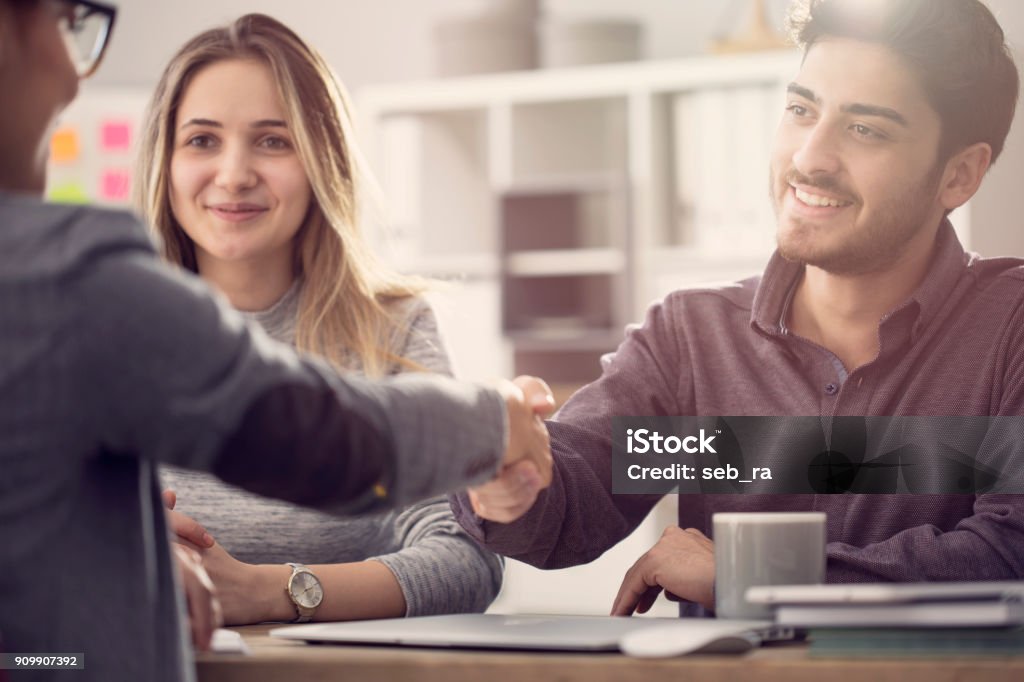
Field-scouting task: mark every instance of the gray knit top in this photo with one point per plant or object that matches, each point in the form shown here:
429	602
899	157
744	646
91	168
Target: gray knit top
438	566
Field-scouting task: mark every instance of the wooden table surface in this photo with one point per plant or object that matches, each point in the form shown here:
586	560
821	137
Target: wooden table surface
275	660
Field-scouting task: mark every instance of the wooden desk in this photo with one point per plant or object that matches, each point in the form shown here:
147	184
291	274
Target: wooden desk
276	660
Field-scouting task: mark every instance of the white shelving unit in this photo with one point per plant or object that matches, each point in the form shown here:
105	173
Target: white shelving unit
576	197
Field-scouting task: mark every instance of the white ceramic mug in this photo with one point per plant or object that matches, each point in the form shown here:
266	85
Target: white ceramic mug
764	548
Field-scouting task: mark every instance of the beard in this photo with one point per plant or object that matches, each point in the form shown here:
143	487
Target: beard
873	247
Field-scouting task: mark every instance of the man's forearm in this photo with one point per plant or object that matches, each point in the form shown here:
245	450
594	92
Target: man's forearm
986	546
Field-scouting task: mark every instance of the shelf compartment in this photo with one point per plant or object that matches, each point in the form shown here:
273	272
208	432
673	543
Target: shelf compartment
559	305
562	218
434	170
721	139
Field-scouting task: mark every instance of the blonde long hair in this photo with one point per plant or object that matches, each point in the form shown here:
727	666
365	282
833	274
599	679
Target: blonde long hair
343	305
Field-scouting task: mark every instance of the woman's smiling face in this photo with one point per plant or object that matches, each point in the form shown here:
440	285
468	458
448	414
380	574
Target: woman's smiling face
237	185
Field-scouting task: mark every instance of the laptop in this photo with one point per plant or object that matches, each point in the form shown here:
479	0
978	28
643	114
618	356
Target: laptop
529	632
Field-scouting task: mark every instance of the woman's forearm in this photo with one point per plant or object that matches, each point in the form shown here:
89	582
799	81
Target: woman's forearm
352	591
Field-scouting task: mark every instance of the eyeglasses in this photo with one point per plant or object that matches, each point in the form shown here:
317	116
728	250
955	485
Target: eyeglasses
86	26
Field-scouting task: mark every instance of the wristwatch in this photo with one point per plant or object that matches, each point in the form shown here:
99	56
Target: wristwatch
305	591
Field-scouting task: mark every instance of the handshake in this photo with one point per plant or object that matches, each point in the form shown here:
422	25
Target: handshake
526	467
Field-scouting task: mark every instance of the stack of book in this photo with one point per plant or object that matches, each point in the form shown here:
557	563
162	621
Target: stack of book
899	620
915	642
937	614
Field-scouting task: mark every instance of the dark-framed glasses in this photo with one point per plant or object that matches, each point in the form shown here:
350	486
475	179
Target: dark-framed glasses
86	26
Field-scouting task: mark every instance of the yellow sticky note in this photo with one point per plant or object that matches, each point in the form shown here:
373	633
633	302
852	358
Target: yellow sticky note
68	193
64	146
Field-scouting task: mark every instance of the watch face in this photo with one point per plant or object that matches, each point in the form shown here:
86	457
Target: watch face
306	590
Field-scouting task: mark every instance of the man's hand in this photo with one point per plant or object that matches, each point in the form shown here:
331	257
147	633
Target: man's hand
527	401
682	563
527	465
204	613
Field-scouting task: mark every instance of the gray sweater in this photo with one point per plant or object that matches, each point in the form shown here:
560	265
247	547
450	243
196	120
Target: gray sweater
438	566
111	362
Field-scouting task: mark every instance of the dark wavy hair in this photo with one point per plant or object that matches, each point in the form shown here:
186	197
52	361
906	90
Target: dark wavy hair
956	47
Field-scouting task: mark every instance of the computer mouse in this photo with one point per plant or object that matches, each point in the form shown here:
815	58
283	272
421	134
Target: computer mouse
689	638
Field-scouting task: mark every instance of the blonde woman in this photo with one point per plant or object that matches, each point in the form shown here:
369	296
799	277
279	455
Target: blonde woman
250	177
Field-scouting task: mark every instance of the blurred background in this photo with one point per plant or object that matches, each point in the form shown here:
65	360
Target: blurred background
393	40
560	163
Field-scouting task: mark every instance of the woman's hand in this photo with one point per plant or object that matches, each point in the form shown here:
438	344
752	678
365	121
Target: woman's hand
246	592
204	614
187	530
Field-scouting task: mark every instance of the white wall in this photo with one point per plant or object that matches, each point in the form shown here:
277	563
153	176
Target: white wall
996	229
365	41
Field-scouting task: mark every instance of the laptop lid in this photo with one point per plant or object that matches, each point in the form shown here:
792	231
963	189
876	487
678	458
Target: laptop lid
491	631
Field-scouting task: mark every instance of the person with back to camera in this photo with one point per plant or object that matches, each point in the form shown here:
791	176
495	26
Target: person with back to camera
250	175
870	306
111	362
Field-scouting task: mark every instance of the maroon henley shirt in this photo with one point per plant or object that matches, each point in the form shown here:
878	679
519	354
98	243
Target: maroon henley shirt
956	347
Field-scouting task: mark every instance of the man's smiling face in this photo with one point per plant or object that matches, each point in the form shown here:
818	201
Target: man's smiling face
855	168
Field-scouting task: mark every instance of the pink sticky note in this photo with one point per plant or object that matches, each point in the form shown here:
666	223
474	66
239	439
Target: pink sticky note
115	184
115	136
